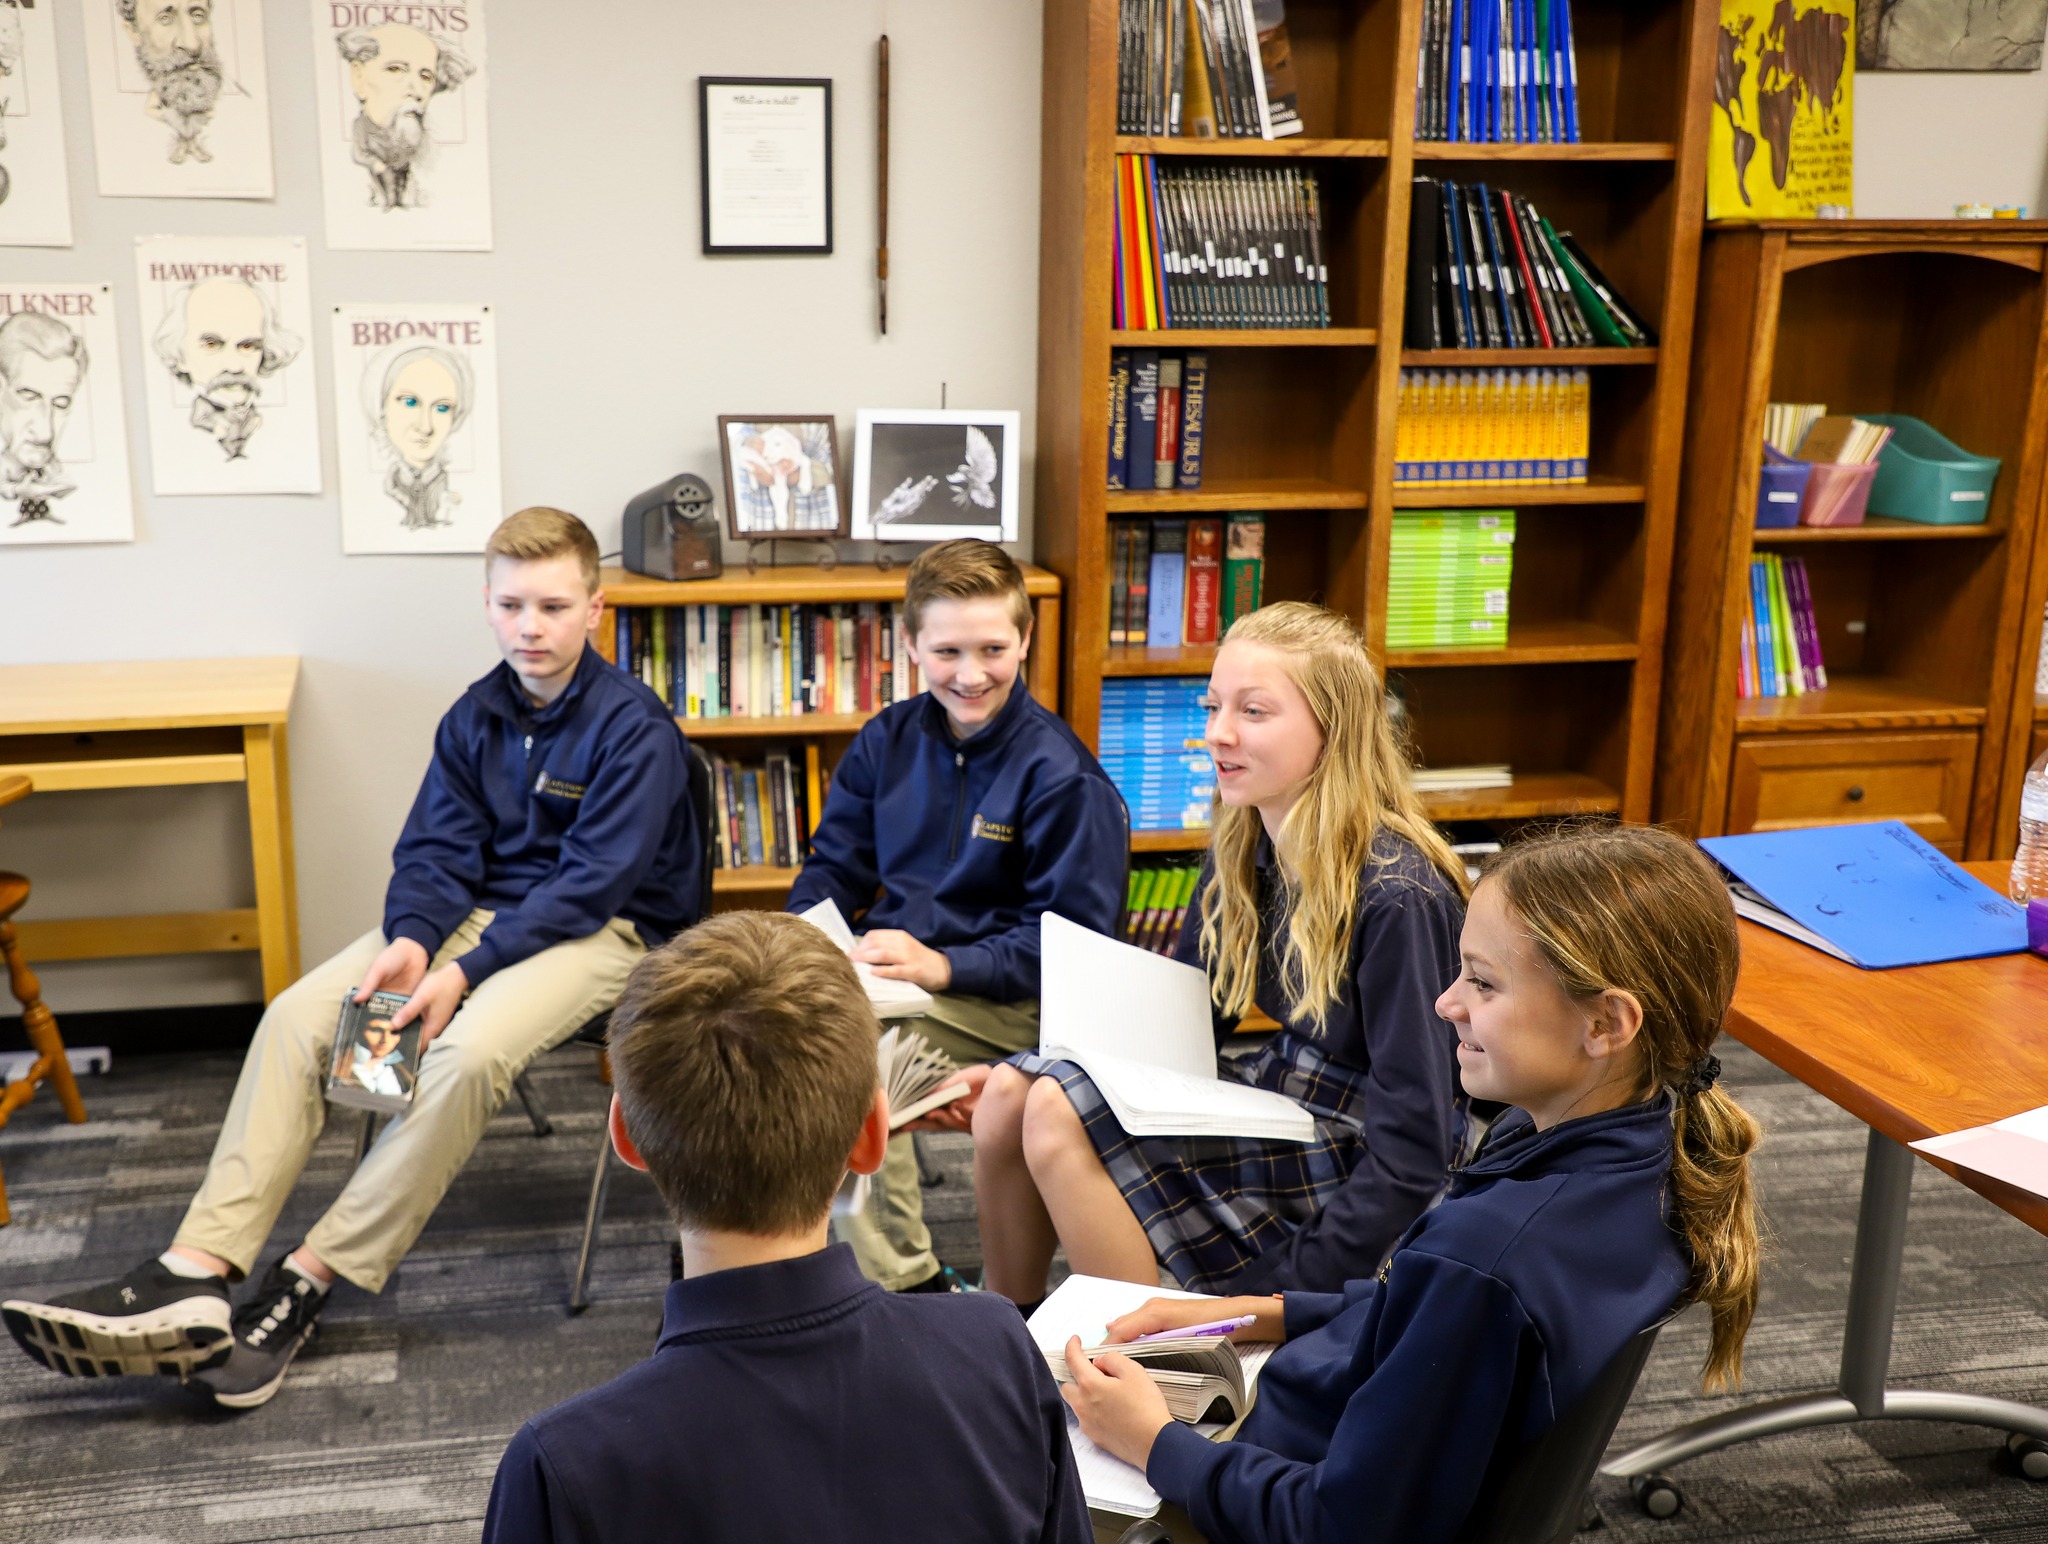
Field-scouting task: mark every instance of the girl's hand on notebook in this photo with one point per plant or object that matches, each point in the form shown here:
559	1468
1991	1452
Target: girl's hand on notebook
1174	1313
959	1115
1118	1405
895	954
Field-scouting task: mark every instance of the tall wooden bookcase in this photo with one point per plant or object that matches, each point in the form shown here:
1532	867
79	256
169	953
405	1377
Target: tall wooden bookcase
1301	423
1929	703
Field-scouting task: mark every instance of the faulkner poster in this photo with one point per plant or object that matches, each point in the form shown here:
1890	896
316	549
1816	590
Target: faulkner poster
35	201
416	403
227	361
180	104
402	87
1784	84
63	441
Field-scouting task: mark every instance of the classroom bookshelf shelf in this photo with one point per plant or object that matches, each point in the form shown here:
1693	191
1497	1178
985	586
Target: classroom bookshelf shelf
1305	434
1170	841
750	727
1922	628
1244	337
753	879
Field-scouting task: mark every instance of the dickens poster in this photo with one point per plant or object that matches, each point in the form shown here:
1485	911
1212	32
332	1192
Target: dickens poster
63	438
1784	82
35	199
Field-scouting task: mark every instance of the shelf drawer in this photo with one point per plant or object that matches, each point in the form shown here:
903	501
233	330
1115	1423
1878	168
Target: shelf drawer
1817	780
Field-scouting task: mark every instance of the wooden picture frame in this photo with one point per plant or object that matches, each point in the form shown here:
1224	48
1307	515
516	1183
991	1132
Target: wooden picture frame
785	206
764	452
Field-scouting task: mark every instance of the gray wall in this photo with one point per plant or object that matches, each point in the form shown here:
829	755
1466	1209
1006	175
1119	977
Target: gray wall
620	346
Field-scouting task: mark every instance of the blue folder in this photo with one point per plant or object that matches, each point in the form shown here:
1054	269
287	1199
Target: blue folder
1878	893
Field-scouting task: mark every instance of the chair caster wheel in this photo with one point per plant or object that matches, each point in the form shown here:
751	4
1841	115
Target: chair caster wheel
2029	1455
1656	1495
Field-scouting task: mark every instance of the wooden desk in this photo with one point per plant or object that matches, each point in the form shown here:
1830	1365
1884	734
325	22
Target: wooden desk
150	724
1911	1053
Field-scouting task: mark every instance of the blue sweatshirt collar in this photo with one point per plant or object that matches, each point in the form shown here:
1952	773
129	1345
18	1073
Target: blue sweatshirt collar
500	693
827	1284
998	731
1627	1138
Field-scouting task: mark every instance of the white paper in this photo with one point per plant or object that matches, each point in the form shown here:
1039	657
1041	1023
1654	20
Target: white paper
767	178
180	99
2014	1150
402	94
227	360
35	193
416	419
891	999
63	429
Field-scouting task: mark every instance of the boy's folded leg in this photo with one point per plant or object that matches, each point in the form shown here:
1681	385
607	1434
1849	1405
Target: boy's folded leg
978	1029
151	1322
270	1329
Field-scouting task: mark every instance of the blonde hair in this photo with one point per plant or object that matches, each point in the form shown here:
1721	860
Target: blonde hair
966	569
1359	788
539	533
744	1055
1638	910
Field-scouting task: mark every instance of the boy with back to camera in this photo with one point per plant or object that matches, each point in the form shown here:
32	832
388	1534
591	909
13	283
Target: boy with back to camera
956	819
788	1397
551	844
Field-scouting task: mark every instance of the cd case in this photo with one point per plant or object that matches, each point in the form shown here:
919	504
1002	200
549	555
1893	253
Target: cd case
374	1066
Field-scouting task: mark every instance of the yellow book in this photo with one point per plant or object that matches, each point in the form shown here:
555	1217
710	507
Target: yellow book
1493	420
1463	407
814	807
1404	428
1521	426
1582	423
1433	457
1542	389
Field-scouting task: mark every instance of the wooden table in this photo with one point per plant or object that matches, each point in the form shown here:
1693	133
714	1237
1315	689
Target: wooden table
151	724
1912	1053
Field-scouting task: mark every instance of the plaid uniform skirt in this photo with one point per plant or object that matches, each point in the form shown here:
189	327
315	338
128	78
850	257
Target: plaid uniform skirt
1212	1205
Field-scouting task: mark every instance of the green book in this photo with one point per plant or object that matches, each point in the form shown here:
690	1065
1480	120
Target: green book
1605	330
1244	568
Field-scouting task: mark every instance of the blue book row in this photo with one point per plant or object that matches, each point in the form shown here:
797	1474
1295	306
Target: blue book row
1151	747
1497	71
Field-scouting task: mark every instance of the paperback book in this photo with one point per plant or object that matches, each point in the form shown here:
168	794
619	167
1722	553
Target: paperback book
374	1067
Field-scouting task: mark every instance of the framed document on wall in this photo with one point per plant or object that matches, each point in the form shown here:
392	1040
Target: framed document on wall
766	156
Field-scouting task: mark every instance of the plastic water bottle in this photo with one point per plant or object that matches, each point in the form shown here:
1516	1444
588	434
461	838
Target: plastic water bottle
2030	862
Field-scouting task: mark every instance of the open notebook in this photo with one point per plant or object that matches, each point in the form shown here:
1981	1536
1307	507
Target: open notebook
1084	1305
1139	1025
890	999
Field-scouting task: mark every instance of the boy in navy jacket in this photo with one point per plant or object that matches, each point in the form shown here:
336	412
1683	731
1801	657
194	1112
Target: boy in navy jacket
956	819
788	1398
552	843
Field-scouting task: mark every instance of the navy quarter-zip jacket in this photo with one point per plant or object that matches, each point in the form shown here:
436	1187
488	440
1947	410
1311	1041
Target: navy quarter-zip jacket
969	842
1391	1402
557	818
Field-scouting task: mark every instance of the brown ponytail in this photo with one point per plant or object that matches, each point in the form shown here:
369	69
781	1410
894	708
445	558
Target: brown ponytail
1638	910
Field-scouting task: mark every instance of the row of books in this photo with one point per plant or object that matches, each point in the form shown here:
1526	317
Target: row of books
1497	70
1158	408
1780	639
1486	270
1161	891
769	661
767	811
1217	246
1447	578
1479	427
1173	582
1152	747
1786	423
1215	69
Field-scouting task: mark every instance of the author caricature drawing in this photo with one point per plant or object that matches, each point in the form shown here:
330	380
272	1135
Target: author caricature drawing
42	367
221	337
416	398
395	71
174	45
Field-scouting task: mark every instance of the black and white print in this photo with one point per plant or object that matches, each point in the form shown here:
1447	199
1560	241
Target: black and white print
936	474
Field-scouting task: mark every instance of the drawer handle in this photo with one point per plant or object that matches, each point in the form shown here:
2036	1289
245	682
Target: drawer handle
1856	794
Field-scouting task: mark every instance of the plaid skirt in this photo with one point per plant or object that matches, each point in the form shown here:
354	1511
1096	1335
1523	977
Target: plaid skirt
1212	1205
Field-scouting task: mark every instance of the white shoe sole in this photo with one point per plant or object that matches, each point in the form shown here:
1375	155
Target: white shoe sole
168	1342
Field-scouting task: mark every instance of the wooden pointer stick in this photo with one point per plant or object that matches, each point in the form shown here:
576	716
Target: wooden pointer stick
882	161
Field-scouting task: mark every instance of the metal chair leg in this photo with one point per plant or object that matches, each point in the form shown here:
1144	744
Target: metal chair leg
535	1110
593	1214
371	1120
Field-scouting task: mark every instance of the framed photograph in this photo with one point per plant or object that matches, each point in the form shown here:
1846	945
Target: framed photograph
765	150
931	474
781	476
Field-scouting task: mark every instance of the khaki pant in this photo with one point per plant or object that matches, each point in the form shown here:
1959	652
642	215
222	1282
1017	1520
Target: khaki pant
280	1101
889	1238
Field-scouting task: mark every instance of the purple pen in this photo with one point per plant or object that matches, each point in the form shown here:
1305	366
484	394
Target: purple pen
1220	1327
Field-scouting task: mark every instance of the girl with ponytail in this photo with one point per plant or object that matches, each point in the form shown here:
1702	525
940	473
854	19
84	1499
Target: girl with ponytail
1598	967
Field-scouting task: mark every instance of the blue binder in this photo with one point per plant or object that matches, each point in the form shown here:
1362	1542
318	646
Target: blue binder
1879	894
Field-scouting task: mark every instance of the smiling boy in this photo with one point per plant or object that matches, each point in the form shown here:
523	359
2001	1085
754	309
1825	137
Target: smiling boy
956	819
551	844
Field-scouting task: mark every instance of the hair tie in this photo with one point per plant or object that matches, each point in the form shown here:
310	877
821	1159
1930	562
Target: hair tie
1701	1076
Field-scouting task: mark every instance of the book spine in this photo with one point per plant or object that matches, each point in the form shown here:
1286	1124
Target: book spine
1119	581
1766	651
1166	453
1244	551
1810	624
1205	578
1419	318
1194	412
1119	417
1168	585
1139	614
1144	427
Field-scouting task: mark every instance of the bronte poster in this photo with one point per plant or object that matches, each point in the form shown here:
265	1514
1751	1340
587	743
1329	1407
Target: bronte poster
416	409
63	437
180	100
35	198
227	363
401	88
1780	141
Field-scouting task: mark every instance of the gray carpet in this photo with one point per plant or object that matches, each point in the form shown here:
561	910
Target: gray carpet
391	1426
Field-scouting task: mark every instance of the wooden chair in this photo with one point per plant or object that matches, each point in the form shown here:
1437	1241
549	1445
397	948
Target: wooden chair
41	1024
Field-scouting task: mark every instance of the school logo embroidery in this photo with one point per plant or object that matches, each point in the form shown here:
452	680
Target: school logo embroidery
555	786
991	831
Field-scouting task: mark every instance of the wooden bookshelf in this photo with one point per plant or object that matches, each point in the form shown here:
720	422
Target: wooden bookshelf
1922	627
1305	433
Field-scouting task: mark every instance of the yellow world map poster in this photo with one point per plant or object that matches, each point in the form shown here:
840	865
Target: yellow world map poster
1784	81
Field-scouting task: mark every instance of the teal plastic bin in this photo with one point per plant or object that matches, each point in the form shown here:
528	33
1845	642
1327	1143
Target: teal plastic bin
1923	475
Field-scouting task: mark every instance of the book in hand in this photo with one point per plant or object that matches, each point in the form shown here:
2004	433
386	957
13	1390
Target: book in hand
912	1069
891	999
1201	1376
1139	1025
374	1067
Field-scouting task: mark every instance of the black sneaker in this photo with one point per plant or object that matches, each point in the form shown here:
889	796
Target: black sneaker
150	1322
269	1330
